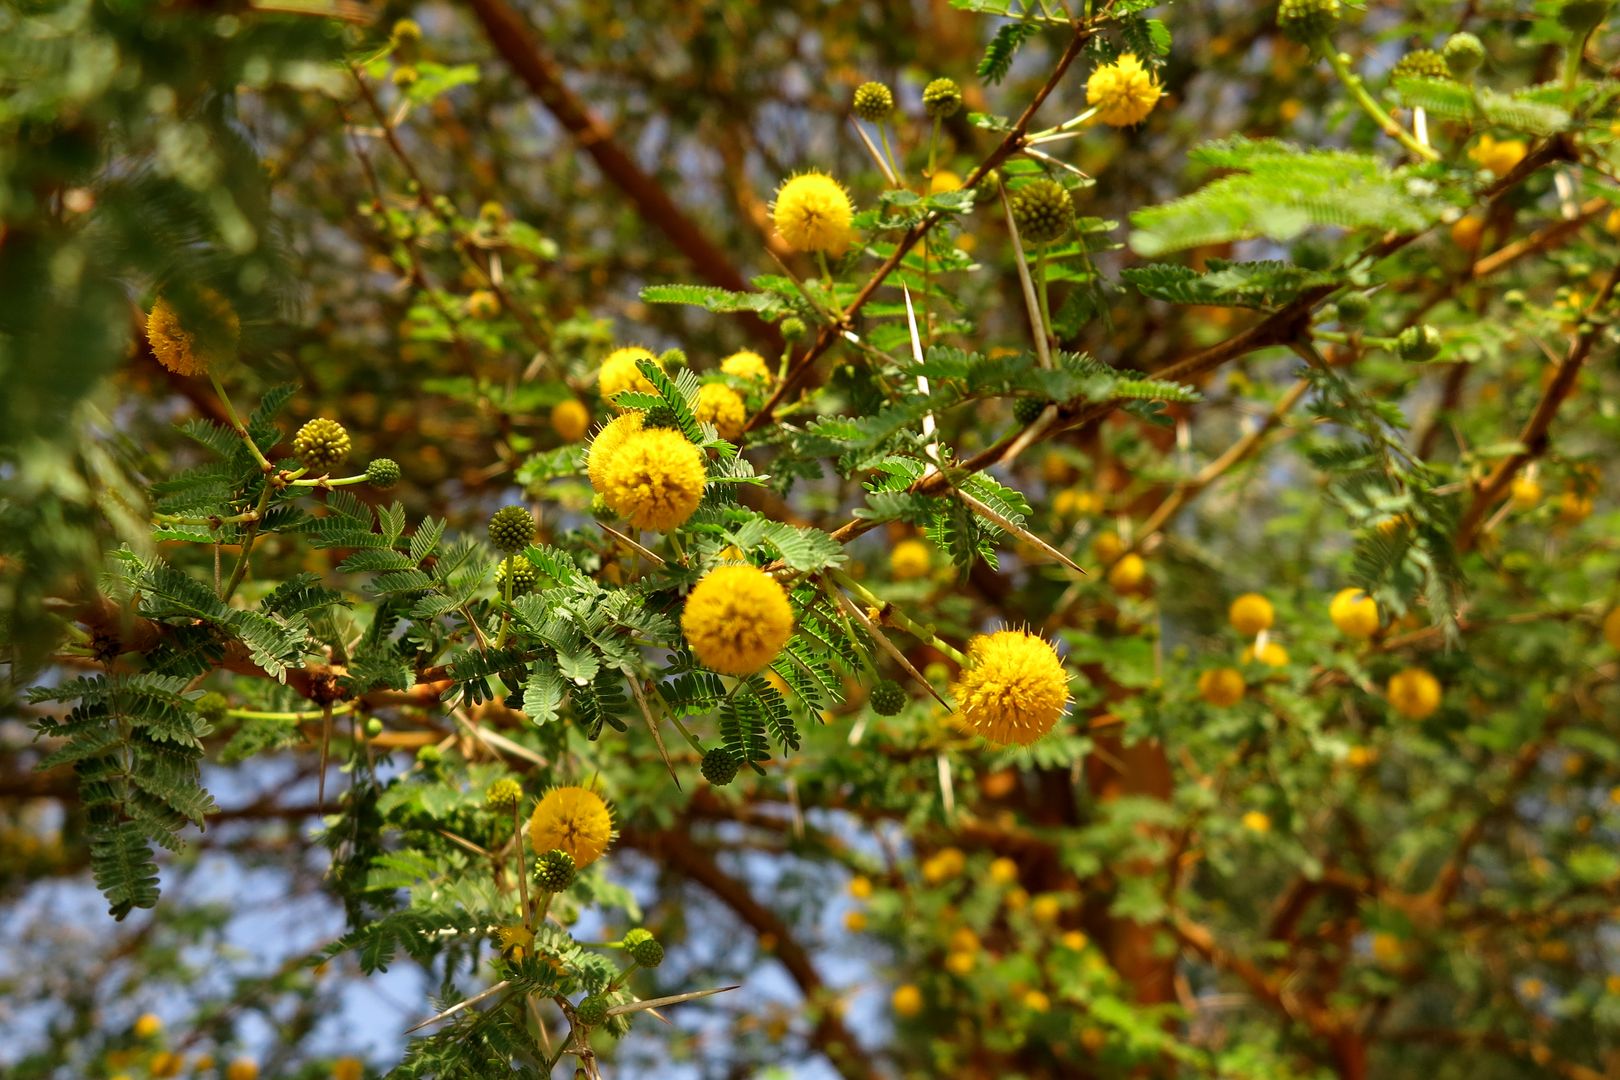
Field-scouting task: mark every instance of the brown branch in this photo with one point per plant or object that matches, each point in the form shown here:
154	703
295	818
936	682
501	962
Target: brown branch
675	849
509	33
1535	436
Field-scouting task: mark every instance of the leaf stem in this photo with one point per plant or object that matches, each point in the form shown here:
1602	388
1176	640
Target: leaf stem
1352	82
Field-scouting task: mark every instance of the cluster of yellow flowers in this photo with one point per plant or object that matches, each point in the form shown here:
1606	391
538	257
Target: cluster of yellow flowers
572	819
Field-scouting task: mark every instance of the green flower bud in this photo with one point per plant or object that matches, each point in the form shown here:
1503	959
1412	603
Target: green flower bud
1418	343
524	575
503	794
1042	211
1421	64
383	473
1463	54
321	444
592	1010
873	102
1354	308
512	528
212	706
1306	21
792	328
643	948
888	698
1581	16
719	767
555	870
1026	410
942	98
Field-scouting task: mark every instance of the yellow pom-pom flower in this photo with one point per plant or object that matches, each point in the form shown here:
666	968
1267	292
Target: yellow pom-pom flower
242	1069
570	419
1003	871
606	444
910	559
1256	821
1123	92
1611	629
1014	688
944	181
1414	693
906	1000
747	364
574	819
737	619
719	405
1354	613
620	374
654	480
854	920
860	887
812	212
1127	574
1221	686
348	1068
185	352
147	1025
1273	655
1498	157
1525	493
1250	614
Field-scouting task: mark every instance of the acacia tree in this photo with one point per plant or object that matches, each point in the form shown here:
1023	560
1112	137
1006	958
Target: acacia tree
1004	541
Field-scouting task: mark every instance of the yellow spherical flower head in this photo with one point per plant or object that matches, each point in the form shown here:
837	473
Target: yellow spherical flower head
910	559
1414	693
1122	92
1498	157
348	1068
619	373
748	365
906	1000
1611	629
242	1069
1251	613
719	405
574	819
193	350
570	419
1221	686
737	619
944	181
654	480
812	212
1014	688
606	444
1354	613
1273	655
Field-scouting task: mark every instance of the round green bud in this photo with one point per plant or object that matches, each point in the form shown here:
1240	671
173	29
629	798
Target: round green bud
1580	16
643	948
212	706
1463	54
407	30
492	213
1421	64
592	1010
793	328
1354	307
405	76
719	767
1026	410
383	473
503	794
1042	211
374	727
1306	21
672	358
660	416
429	757
1418	343
512	528
555	870
873	101
942	98
888	698
321	444
1515	298
524	575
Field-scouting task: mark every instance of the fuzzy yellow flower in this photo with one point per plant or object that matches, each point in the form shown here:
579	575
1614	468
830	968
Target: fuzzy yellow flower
944	181
737	619
1003	871
813	213
1414	693
1221	686
860	887
193	351
855	920
906	1000
1250	614
1127	574
1036	1001
1498	157
654	480
1122	92
719	405
1045	909
574	819
1014	689
348	1068
959	963
1611	629
607	443
747	364
570	419
619	373
242	1069
1273	655
909	560
147	1025
1256	821
1354	613
1524	493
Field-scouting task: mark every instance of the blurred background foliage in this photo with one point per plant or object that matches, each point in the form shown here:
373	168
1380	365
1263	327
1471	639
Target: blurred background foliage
413	229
